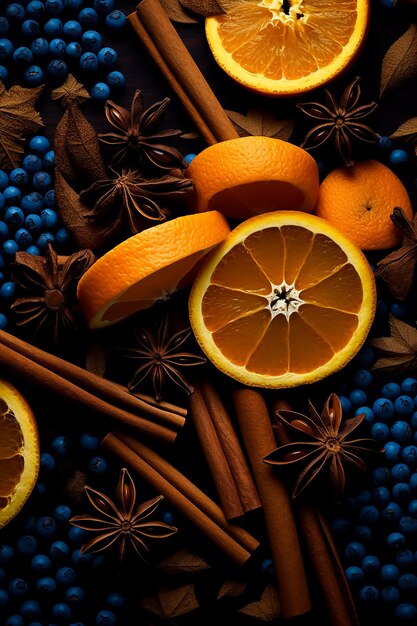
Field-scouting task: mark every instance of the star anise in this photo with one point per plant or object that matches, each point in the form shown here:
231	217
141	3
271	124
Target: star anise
139	134
120	522
160	357
127	198
398	268
47	304
339	122
324	446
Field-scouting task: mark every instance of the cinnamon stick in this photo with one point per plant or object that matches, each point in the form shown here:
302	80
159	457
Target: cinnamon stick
107	390
190	510
258	436
11	362
175	85
180	62
218	465
190	491
232	449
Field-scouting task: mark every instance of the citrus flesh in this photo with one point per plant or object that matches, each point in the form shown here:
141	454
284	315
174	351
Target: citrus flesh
19	452
286	47
251	175
285	300
147	267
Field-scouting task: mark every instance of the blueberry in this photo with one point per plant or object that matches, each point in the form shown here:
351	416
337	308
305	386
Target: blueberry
354	552
409	455
62	513
395	540
30	29
33	75
12	194
62	235
35	9
18	587
371	564
404	405
91	41
40	47
105	618
88	17
168	517
401	492
358	397
61	445
4	233
104	6
6	48
380	431
400	472
46	585
369	594
390	595
345	403
33	250
4	25
23	56
73	4
100	92
40	563
41	181
74	50
115	19
61	611
57	48
19	177
381	496
363	534
47	461
46	526
401	431
4	180
49	159
404	558
391	513
89	62
57	68
390	573
98	465
107	57
66	575
50	199
3	321
398	156
6	553
116	600
363	497
393	451
81	559
412	508
413	420
14	620
399	310
59	549
381	475
384	143
4	597
54	7
74	595
77	535
7	290
27	545
72	29
32	203
408	525
14	216
391	391
32	163
4	74
89	441
15	12
407	582
362	378
30	608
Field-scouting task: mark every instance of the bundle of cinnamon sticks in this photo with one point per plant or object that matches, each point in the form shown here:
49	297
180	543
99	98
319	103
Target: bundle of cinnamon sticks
161	421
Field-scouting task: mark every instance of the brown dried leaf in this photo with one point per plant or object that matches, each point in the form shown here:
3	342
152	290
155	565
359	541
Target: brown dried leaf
399	351
18	118
177	13
70	89
231	589
204	8
96	358
400	62
182	562
267	608
83	145
407	131
168	603
261	121
62	160
72	212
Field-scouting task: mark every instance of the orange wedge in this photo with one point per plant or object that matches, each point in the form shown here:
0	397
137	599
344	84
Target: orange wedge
287	47
285	300
19	452
148	267
250	175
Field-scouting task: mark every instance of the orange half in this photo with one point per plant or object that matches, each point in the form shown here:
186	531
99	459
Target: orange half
285	300
287	47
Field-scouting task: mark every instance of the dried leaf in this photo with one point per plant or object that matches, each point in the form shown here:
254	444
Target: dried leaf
400	62
177	13
204	8
18	118
407	131
191	135
261	121
399	351
70	89
72	211
267	608
96	358
83	145
169	603
182	562
231	589
62	160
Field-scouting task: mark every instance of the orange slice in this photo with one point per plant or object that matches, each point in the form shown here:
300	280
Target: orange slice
250	175
285	300
19	452
287	47
148	267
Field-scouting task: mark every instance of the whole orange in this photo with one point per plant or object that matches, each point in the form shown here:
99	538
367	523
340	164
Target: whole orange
359	200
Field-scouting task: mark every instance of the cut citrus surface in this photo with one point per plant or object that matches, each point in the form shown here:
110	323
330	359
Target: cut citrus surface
286	47
19	452
285	300
359	200
148	267
251	175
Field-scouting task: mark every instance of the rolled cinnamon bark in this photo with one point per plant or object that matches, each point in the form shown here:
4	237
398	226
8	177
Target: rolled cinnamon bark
258	436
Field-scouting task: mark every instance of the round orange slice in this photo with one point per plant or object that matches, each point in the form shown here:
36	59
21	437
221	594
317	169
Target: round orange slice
285	47
251	175
285	300
19	452
148	267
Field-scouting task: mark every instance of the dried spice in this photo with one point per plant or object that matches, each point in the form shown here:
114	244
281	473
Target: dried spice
160	358
182	562
169	602
204	8
267	609
18	119
119	522
140	136
400	62
47	305
407	132
324	446
398	268
127	199
262	121
399	351
177	13
339	122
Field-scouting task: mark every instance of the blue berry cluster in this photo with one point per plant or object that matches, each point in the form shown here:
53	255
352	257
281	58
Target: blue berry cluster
59	36
28	216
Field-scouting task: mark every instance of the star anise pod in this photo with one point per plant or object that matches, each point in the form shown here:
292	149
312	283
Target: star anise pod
120	522
398	268
128	198
339	122
324	445
160	357
139	134
47	304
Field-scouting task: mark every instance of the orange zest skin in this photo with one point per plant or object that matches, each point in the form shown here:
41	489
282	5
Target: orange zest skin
285	300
